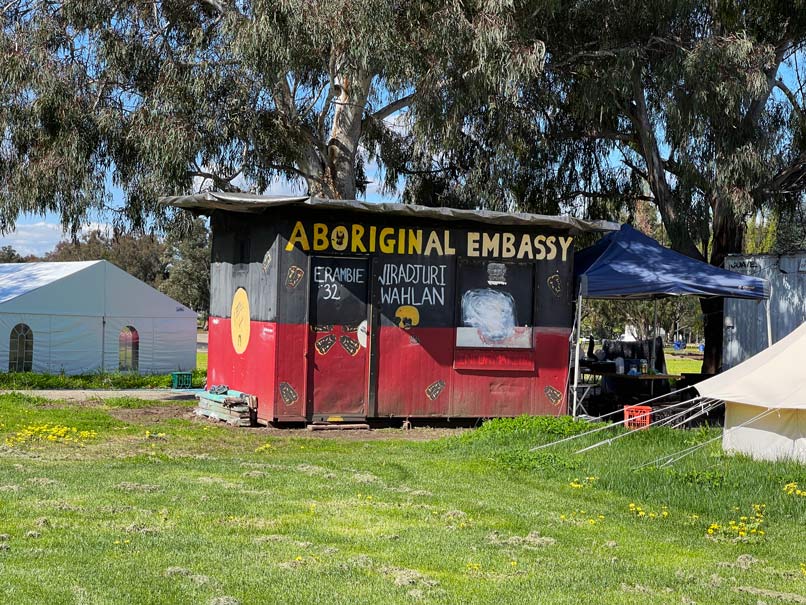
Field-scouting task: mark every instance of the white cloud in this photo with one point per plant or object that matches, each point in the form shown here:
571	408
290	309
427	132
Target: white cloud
34	238
41	237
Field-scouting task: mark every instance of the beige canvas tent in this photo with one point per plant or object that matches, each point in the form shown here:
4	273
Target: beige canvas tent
765	401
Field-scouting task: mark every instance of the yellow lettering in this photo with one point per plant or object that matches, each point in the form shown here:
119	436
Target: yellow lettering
298	236
433	244
415	241
552	254
472	243
372	239
387	247
565	244
338	238
320	236
401	241
356	245
448	248
540	249
508	245
489	245
525	250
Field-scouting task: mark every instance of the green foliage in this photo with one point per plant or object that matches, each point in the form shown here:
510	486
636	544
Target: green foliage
138	255
789	231
609	318
505	429
699	477
99	380
187	260
170	97
524	460
9	255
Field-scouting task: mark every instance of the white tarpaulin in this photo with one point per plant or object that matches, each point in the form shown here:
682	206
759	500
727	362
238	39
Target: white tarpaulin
765	401
75	312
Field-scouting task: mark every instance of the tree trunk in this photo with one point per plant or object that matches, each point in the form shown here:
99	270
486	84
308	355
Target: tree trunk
673	220
728	232
334	175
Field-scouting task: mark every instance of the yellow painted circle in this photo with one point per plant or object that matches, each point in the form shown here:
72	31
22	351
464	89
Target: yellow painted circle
239	320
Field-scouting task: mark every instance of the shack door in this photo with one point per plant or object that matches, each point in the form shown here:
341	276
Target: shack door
338	338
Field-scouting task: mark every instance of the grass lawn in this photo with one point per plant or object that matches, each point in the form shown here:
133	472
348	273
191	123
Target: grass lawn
99	380
201	361
136	506
680	365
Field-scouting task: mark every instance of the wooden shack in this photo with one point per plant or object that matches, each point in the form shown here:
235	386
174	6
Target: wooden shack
328	310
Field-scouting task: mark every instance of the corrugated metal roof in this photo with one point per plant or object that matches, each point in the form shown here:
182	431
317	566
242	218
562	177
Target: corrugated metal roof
248	202
17	279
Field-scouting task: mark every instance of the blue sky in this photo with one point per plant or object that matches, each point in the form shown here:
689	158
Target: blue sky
37	235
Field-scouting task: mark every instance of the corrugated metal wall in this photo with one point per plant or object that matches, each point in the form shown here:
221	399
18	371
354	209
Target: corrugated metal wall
745	320
244	256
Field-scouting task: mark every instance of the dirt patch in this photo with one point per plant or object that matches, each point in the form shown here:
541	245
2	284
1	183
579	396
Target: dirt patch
788	597
375	434
41	481
530	541
145	488
743	562
152	414
95	397
408	577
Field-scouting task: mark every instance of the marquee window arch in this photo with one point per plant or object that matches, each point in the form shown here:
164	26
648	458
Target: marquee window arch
21	349
129	349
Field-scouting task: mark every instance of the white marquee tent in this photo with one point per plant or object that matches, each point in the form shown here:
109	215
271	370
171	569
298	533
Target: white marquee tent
765	401
81	317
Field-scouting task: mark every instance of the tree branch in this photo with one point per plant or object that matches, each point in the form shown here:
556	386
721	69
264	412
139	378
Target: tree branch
677	169
633	167
222	183
757	106
394	106
791	179
293	169
779	83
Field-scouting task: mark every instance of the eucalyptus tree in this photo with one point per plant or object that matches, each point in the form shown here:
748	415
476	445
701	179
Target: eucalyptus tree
697	106
694	106
156	96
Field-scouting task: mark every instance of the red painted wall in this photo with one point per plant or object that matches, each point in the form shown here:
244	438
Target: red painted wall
420	373
252	371
414	364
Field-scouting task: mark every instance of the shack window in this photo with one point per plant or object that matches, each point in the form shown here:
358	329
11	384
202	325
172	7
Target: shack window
495	304
21	349
128	350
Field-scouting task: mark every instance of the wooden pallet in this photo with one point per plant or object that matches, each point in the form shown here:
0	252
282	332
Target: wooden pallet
232	407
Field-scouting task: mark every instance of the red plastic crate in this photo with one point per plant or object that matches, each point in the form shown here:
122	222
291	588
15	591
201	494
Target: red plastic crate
637	416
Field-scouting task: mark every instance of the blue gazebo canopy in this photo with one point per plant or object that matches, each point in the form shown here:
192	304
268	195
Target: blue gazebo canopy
629	264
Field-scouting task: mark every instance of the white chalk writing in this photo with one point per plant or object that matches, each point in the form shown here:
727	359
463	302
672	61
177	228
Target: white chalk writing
415	285
341	275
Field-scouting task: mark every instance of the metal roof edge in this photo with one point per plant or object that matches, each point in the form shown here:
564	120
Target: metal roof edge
250	203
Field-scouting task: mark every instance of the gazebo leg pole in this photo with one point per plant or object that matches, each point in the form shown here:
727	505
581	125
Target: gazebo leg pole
652	347
577	335
769	321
